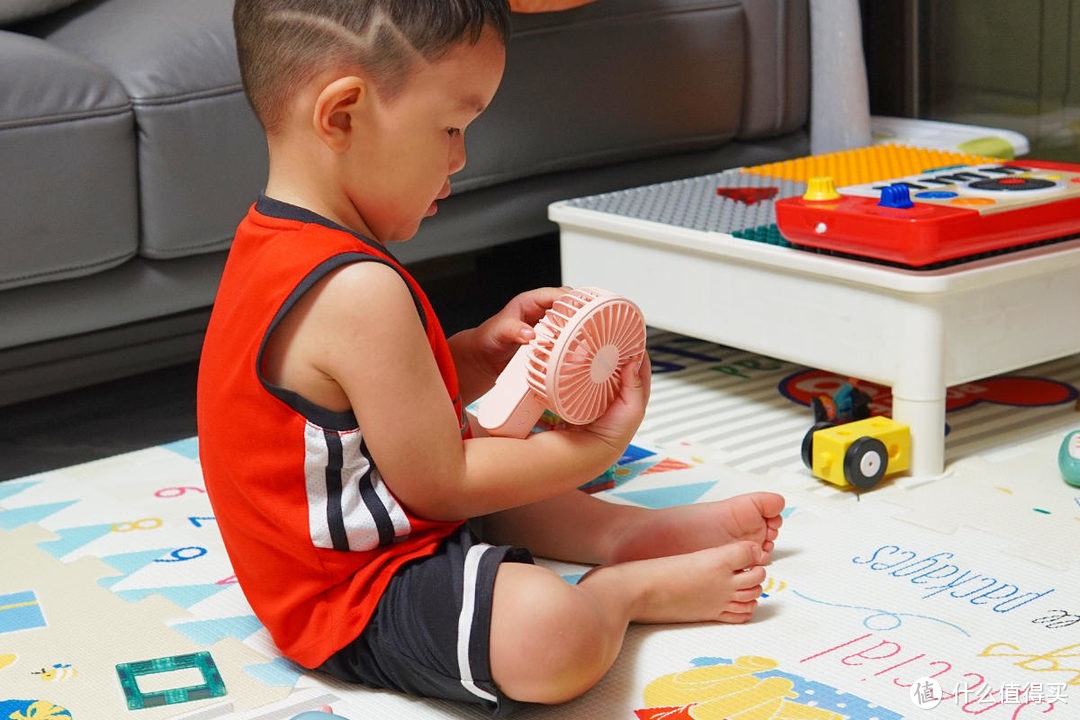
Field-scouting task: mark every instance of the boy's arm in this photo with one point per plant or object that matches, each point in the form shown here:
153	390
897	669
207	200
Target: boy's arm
363	331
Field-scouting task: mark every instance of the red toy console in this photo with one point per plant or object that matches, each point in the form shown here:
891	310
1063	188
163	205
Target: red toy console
938	216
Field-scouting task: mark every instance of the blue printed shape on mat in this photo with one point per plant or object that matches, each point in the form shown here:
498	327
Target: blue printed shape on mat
10	488
20	611
823	696
632	453
73	538
208	632
188	448
628	471
667	496
16	517
278	673
183	595
33	709
128	563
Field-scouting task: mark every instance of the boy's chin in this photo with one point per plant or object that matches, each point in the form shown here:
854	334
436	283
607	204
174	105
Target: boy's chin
403	233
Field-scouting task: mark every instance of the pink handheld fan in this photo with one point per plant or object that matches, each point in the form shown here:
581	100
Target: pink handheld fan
571	367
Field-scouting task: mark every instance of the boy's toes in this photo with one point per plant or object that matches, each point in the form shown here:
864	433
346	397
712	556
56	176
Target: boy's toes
738	612
747	595
770	504
749	578
743	554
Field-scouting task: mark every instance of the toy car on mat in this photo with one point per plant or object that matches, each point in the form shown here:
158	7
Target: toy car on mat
848	404
861	453
846	446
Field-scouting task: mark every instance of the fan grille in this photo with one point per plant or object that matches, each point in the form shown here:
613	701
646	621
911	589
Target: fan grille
581	345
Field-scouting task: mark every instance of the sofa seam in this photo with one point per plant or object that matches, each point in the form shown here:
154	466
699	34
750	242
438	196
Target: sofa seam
632	17
93	266
178	98
780	81
184	250
58	118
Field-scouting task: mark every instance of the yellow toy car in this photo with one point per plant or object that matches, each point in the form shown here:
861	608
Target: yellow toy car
858	453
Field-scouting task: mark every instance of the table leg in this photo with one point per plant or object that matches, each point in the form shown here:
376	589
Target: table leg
919	387
926	418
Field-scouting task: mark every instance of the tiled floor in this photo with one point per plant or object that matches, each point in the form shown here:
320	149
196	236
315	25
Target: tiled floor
159	406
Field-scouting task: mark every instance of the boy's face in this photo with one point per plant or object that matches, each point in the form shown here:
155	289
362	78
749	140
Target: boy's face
417	140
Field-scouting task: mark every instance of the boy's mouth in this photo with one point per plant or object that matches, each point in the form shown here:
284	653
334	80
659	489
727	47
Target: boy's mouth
434	207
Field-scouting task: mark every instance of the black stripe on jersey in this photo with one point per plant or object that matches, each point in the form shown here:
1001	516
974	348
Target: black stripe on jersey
374	504
335	520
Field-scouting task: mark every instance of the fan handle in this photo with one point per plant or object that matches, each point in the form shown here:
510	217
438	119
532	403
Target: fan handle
512	408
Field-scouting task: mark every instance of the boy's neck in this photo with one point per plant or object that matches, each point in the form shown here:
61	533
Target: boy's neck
298	177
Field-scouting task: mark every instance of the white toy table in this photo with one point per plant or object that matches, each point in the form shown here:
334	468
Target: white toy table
918	332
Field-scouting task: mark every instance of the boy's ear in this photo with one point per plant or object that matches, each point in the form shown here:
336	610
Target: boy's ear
337	108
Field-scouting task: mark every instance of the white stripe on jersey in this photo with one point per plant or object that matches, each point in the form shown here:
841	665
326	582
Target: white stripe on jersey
346	496
357	464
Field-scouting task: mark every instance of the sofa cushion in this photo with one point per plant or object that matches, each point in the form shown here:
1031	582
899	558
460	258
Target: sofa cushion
201	153
777	97
647	94
66	139
15	10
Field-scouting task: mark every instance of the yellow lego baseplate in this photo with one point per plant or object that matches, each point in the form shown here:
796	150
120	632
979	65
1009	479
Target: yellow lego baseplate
866	164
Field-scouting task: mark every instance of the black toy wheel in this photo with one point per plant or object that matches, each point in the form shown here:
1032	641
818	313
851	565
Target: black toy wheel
865	462
808	442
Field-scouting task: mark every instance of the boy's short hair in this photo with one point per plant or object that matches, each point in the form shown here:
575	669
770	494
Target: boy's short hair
283	44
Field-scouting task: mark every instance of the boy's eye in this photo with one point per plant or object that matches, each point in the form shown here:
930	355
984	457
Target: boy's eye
453	132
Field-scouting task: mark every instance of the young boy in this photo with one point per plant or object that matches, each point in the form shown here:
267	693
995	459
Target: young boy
333	440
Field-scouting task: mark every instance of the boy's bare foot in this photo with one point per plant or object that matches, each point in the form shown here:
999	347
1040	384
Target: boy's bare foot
715	584
687	528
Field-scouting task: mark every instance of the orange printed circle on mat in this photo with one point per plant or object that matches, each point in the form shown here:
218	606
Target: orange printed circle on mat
968	201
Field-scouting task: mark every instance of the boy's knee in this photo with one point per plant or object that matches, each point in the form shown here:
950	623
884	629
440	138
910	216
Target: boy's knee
552	644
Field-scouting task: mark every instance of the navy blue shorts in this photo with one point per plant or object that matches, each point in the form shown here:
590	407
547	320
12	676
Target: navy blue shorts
429	636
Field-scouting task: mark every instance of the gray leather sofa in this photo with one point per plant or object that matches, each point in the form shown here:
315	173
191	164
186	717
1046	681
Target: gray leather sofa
128	154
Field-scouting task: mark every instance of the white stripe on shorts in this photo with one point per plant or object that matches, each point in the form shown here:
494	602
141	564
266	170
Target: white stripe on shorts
465	620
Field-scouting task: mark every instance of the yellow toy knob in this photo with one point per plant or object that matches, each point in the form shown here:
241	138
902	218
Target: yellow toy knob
821	188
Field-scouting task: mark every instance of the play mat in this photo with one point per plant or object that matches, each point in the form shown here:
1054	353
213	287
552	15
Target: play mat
957	597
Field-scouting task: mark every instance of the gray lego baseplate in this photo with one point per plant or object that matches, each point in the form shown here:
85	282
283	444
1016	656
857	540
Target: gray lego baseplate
694	203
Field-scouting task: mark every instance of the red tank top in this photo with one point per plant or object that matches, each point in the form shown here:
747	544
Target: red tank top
311	529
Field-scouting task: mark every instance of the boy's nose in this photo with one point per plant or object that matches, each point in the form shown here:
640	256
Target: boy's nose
457	157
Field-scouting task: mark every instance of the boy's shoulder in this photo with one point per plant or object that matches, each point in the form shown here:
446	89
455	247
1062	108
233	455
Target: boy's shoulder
319	295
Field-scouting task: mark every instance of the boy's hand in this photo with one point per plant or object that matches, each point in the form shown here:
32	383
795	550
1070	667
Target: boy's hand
499	337
616	427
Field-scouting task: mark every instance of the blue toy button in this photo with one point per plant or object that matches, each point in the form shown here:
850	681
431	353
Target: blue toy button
935	195
897	196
